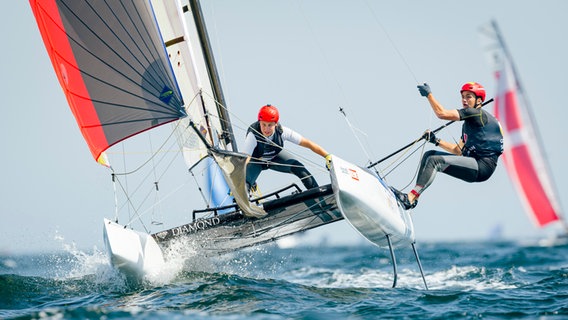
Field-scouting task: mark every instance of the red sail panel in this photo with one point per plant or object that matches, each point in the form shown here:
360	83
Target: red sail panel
519	157
67	70
532	189
111	63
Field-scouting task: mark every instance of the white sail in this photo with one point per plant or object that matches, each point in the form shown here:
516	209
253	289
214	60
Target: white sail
185	48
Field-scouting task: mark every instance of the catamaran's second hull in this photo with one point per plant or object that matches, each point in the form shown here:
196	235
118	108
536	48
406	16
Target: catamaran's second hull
369	205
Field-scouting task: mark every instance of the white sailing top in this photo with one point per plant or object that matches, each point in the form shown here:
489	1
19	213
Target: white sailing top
287	135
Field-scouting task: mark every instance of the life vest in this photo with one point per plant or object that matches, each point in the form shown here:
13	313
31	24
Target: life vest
481	133
266	148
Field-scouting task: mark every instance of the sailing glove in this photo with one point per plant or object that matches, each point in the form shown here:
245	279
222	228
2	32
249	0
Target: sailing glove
431	137
424	89
328	161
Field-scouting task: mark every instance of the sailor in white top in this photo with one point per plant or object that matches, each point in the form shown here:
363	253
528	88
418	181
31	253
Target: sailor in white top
265	141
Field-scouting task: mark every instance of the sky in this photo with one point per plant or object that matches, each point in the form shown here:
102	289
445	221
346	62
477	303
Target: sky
308	58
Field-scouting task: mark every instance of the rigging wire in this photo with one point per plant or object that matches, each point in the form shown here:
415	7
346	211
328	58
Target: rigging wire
325	58
154	154
139	214
393	44
335	78
219	58
342	111
411	72
322	52
156	184
397	163
155	162
148	210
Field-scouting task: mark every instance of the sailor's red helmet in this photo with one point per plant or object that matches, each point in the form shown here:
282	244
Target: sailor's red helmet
476	88
268	113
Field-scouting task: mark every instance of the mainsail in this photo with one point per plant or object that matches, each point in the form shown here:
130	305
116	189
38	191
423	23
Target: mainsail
188	49
112	66
523	157
187	43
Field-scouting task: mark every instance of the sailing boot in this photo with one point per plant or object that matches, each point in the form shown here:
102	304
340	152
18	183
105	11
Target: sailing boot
403	199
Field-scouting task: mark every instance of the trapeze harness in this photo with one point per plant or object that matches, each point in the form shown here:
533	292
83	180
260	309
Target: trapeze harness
269	154
483	138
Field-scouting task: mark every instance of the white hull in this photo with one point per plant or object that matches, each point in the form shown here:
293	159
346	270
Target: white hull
369	205
135	254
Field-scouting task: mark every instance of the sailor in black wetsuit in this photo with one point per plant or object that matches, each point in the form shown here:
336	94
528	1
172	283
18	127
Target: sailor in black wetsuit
264	142
474	158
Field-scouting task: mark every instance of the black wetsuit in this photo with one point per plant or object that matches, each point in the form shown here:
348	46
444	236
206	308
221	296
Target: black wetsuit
483	140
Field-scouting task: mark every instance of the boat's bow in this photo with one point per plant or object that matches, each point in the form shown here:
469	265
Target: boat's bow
134	253
369	205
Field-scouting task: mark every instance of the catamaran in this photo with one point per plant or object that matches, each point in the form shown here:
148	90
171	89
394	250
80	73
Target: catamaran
129	68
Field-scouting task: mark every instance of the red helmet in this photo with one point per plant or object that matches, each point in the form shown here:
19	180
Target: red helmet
476	88
268	113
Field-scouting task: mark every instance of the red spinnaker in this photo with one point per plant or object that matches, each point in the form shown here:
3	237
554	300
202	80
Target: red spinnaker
111	63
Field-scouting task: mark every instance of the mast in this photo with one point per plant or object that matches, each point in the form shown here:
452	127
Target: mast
228	134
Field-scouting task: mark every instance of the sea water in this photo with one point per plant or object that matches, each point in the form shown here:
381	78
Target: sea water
490	280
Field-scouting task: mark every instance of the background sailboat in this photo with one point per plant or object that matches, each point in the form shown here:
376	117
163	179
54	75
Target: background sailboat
524	156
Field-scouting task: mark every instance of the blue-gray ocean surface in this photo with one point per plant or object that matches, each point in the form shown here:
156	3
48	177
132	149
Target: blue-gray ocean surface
490	280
